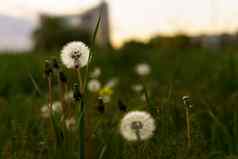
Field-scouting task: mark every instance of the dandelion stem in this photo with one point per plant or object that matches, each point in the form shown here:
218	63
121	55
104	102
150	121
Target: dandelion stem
81	84
62	98
81	131
50	94
188	128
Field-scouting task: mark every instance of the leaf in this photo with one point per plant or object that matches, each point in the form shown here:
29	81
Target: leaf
102	152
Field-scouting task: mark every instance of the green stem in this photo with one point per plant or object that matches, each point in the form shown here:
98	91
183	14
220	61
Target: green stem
81	131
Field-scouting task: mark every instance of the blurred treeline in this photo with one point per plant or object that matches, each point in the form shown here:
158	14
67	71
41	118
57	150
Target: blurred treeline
54	32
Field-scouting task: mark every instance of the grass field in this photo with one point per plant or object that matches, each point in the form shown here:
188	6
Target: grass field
209	77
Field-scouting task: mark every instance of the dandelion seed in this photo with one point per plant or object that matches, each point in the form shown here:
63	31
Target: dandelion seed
70	124
96	73
143	69
75	55
137	88
137	125
94	85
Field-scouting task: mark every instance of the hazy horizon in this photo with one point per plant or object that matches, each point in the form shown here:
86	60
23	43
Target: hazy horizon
141	19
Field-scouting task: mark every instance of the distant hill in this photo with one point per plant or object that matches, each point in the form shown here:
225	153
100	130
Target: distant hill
15	33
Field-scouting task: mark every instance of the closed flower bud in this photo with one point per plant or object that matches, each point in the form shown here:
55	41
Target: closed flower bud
48	69
76	91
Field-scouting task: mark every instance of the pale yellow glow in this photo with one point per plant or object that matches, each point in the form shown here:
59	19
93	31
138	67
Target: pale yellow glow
143	18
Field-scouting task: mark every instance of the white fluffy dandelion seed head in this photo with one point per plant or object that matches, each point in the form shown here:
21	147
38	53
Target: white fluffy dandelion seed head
75	54
56	107
137	87
143	69
142	120
94	85
95	73
70	123
45	113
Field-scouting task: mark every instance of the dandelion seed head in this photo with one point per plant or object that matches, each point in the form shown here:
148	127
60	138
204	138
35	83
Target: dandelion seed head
137	87
94	85
56	108
137	125
75	55
45	113
70	124
143	69
95	73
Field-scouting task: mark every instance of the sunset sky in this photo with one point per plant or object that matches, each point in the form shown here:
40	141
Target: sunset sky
141	18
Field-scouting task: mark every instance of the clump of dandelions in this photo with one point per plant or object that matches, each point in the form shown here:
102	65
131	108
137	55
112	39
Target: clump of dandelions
75	55
56	108
137	126
143	69
94	85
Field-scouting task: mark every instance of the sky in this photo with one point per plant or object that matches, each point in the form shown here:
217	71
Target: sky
141	19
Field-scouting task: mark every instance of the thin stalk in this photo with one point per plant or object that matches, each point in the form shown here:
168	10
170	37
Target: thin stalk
81	118
62	96
81	131
81	84
50	94
189	141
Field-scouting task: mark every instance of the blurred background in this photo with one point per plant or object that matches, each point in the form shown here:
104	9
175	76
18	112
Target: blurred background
25	23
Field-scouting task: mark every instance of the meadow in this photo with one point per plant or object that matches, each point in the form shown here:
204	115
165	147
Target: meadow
207	76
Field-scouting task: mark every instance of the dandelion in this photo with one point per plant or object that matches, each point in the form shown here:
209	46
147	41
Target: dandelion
143	69
188	105
75	55
95	73
69	95
94	85
70	124
137	88
137	125
56	108
105	93
45	113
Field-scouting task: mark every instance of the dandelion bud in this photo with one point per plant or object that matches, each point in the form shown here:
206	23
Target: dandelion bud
187	101
55	64
101	106
48	69
76	91
122	106
62	77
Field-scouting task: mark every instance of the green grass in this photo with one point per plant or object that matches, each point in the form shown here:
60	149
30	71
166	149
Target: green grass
209	77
